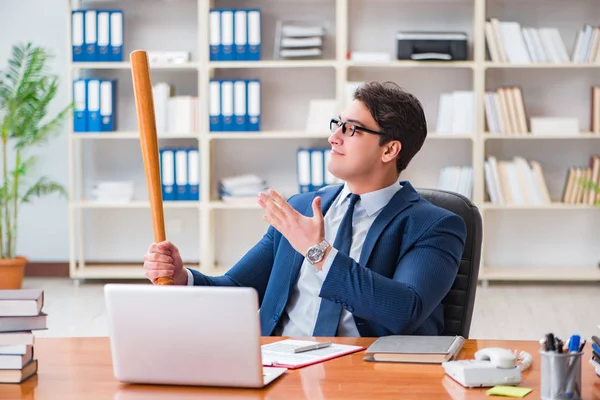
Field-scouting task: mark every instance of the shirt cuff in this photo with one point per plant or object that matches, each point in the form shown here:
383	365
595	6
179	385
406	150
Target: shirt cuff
190	281
327	264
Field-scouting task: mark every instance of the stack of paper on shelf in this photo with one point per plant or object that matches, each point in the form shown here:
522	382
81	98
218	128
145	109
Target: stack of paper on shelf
298	39
241	188
113	192
457	179
456	113
515	182
508	41
578	184
20	314
179	115
505	111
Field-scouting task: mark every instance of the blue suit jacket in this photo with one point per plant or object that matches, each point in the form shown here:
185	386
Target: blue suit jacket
408	263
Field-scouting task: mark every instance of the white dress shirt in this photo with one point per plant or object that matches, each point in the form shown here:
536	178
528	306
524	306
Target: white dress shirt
303	305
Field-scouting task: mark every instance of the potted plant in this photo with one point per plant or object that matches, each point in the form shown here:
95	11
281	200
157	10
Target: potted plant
26	91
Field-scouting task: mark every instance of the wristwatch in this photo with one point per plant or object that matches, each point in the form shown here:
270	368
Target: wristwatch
315	253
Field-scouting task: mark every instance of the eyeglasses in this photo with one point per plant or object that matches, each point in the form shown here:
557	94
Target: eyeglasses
349	128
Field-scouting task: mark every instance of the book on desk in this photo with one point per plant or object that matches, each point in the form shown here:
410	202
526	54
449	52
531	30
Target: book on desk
414	349
20	314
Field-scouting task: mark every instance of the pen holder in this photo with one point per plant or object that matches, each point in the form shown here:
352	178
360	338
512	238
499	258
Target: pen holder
560	375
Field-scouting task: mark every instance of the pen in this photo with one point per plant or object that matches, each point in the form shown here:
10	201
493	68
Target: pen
596	340
315	346
582	345
550	342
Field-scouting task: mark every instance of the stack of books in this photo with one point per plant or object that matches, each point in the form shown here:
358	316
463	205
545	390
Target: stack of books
505	111
20	314
517	181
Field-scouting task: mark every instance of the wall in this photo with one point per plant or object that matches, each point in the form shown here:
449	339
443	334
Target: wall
43	225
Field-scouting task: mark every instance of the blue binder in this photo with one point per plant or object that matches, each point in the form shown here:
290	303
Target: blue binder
91	35
182	189
227	35
317	169
240	109
214	104
240	19
93	105
103	35
254	105
214	35
193	175
78	36
303	169
254	35
227	105
117	32
80	105
107	105
167	173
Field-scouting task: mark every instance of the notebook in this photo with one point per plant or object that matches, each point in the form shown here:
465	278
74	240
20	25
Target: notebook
281	353
415	349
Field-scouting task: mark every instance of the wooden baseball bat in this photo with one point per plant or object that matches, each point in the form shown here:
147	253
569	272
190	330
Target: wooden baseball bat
144	103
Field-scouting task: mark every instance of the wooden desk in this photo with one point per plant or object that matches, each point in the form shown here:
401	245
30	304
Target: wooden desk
80	368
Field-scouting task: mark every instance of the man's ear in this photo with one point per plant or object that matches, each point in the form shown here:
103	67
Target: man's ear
391	150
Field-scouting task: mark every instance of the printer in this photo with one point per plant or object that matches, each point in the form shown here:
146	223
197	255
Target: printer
432	46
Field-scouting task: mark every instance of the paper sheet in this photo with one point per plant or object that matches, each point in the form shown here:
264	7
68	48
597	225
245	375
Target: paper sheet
282	353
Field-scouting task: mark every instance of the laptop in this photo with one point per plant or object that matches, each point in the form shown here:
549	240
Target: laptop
186	335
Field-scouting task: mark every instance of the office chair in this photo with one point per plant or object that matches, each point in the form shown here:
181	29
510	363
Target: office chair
458	303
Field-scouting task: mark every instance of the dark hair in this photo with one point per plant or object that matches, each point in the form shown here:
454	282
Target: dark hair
399	115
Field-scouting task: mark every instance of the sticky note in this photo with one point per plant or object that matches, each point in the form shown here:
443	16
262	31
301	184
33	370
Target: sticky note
509	391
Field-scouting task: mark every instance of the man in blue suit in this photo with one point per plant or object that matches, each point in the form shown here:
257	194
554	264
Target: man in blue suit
366	258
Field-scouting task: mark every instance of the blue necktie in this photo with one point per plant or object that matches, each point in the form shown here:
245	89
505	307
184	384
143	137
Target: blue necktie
330	312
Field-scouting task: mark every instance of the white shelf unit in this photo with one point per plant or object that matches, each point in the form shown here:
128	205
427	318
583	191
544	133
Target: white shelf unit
215	234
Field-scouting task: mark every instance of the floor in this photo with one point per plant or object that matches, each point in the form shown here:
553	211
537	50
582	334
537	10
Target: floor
502	311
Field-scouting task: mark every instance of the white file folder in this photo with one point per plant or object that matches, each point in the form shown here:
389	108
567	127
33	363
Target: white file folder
91	31
241	34
214	106
181	175
303	170
227	53
80	105
214	35
239	108
93	103
253	122
103	36
317	176
227	105
193	175
78	36
107	106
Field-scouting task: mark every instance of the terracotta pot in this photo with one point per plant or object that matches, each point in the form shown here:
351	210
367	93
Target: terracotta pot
12	271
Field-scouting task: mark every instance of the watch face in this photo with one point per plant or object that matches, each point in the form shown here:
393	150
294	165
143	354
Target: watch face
314	254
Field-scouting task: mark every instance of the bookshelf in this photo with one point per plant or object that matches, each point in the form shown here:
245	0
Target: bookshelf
549	242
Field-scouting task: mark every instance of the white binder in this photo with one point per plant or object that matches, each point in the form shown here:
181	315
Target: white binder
214	35
241	35
91	30
227	105
239	108
103	36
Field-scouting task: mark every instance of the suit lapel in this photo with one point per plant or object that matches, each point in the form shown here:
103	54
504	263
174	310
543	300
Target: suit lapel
401	200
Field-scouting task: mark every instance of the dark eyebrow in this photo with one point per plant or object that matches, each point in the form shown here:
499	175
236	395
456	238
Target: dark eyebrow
355	121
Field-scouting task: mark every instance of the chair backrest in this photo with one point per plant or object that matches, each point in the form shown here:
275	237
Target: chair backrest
458	303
